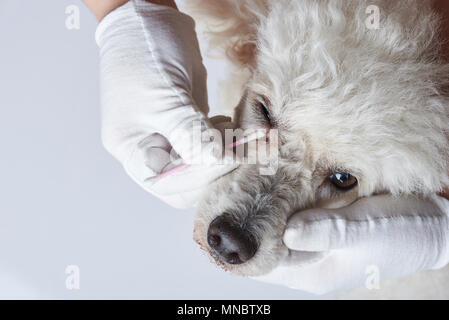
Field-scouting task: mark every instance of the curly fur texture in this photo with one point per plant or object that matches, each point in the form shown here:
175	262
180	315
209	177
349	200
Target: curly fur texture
372	102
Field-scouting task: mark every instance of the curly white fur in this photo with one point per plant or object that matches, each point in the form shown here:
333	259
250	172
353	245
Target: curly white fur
343	97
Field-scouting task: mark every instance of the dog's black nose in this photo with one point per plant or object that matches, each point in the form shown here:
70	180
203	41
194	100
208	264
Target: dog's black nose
230	241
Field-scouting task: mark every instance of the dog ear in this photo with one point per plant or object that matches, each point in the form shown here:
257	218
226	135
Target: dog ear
232	26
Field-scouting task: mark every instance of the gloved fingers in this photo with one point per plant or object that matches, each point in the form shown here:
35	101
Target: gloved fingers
303	258
298	270
324	231
182	189
207	143
158	160
293	260
189	178
155	156
197	142
158	153
226	121
151	157
384	236
378	219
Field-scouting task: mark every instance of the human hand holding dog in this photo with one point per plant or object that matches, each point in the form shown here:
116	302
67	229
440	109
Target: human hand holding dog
338	249
343	248
154	95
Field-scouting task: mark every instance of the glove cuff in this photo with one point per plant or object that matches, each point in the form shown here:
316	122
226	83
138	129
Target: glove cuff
130	8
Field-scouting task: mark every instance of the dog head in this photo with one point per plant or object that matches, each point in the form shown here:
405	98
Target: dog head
357	112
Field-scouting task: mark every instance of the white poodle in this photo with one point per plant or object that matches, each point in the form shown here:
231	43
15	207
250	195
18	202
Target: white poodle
360	105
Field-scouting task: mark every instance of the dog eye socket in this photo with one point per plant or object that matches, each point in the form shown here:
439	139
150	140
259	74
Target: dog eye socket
264	110
343	180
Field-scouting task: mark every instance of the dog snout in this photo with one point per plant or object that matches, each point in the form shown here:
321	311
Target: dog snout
231	242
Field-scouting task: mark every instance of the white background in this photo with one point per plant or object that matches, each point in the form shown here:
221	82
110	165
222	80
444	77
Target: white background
64	200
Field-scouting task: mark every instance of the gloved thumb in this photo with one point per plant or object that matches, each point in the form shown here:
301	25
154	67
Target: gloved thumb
382	219
196	141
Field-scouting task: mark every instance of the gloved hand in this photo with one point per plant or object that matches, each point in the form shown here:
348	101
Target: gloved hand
338	249
153	91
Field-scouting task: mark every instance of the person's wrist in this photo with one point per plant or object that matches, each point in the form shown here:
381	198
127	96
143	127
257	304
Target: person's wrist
168	3
102	8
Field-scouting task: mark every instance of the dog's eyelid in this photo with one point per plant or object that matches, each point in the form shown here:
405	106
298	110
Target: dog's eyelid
264	100
263	104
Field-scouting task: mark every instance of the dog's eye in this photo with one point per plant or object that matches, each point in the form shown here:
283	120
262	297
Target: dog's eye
343	180
265	111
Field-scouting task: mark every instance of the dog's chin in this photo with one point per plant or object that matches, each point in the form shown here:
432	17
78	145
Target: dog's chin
269	254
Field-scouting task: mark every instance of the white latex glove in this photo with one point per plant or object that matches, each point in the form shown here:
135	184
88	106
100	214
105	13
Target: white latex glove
153	91
338	249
